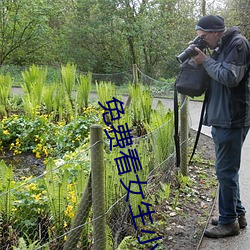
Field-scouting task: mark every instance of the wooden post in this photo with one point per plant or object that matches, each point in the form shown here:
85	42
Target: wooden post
184	135
135	82
135	75
98	194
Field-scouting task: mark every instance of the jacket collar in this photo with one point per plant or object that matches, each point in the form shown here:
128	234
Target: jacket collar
231	32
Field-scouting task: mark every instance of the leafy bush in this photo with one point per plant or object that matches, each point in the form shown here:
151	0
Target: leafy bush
41	136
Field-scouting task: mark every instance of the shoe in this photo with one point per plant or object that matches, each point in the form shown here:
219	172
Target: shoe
241	219
221	231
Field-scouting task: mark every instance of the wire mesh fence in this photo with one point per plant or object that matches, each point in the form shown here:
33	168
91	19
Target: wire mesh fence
57	209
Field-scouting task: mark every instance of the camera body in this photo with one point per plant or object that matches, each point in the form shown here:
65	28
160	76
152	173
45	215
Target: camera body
190	51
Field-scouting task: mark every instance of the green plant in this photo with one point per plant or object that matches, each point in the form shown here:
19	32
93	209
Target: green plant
68	74
30	207
184	181
164	192
176	199
6	196
48	98
28	244
83	91
106	91
62	104
5	90
34	81
161	132
131	242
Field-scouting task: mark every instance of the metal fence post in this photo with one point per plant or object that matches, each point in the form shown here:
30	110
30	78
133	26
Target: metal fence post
184	135
98	194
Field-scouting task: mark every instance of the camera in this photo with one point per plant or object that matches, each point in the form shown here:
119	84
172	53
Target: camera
190	51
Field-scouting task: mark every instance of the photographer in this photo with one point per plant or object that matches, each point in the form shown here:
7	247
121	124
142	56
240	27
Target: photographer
228	112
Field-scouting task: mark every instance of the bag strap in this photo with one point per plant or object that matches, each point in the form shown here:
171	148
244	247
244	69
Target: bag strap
199	127
176	126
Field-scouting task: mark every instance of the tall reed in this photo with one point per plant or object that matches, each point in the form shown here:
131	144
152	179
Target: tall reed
68	74
5	90
106	91
6	184
141	103
161	128
33	86
83	91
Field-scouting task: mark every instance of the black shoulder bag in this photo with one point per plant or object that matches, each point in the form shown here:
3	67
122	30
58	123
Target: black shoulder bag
191	81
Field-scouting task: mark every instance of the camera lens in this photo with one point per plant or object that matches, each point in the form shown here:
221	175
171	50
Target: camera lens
187	53
190	51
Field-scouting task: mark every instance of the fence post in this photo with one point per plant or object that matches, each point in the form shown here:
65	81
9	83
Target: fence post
135	82
98	194
135	74
184	135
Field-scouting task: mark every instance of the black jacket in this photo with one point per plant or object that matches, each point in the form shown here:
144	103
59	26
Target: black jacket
229	90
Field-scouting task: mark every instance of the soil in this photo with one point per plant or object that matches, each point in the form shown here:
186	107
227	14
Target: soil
25	164
186	222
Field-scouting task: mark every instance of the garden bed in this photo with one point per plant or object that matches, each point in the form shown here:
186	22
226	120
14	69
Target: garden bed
186	223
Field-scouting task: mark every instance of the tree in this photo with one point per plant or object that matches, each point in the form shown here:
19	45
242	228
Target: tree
20	22
237	13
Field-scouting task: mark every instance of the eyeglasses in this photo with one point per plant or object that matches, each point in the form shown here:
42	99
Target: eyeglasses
203	36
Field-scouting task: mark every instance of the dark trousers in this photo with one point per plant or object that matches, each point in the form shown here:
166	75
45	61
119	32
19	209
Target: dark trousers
228	145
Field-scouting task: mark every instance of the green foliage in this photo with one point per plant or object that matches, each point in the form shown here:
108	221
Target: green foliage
141	103
184	181
83	91
30	206
43	137
34	81
55	196
23	25
161	126
131	242
106	91
6	184
29	245
164	192
56	183
103	36
48	98
68	74
5	90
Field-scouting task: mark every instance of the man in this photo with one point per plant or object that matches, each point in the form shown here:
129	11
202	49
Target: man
228	112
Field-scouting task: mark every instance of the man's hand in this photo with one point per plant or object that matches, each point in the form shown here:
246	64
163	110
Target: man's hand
200	58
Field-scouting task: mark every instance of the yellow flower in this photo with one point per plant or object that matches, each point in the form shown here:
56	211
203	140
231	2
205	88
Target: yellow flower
73	199
37	196
17	152
6	132
14	209
45	151
69	211
38	155
31	187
